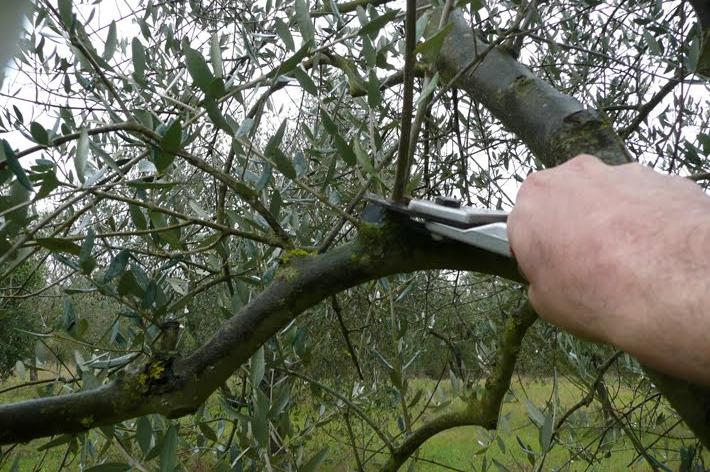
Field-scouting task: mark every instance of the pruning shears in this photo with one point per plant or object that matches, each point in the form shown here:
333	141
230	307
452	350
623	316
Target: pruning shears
445	217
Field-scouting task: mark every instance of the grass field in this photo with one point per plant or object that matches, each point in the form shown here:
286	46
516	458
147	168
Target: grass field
464	448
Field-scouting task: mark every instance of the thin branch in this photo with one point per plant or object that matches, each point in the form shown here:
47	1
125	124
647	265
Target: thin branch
481	411
351	438
343	329
30	232
36	382
191	219
423	108
400	180
125	126
347	7
380	432
328	240
197	290
305	187
587	399
92	60
635	441
650	105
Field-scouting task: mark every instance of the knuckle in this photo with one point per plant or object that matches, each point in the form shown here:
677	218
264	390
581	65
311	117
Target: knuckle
582	162
531	182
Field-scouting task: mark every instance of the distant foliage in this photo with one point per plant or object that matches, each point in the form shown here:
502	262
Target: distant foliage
19	317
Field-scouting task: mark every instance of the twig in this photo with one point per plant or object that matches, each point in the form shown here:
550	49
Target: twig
382	434
400	180
339	314
625	132
699	177
36	382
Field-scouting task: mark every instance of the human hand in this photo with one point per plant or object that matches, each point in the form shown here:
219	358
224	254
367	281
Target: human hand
602	246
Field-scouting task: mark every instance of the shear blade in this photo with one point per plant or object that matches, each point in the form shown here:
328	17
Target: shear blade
492	237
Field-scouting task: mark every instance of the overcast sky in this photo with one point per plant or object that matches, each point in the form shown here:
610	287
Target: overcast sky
19	85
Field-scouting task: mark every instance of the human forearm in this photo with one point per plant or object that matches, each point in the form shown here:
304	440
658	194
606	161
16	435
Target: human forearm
663	318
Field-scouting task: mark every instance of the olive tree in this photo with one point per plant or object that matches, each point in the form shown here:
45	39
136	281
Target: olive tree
206	164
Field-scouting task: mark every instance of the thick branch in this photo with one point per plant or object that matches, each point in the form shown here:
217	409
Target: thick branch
555	127
481	411
186	383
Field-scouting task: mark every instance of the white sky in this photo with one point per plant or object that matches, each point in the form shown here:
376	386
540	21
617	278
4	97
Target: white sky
19	86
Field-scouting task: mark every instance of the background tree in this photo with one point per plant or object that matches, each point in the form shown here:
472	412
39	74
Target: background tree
18	317
205	163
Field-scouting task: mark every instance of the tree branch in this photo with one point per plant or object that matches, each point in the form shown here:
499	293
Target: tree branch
185	384
480	411
347	7
400	179
346	335
516	97
649	106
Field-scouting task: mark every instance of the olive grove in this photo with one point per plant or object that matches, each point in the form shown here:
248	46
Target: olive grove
181	223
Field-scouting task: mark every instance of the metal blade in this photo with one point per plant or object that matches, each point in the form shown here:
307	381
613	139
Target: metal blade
463	217
492	237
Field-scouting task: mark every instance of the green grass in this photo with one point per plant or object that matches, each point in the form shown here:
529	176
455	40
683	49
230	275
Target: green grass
27	455
464	448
